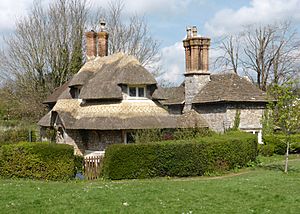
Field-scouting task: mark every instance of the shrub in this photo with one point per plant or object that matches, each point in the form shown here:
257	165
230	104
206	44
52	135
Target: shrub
155	135
279	143
17	135
37	160
266	150
179	158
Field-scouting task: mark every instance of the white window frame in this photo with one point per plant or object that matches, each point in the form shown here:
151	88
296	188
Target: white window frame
136	91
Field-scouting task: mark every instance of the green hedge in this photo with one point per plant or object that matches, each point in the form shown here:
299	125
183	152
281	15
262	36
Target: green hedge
197	157
47	161
279	143
17	135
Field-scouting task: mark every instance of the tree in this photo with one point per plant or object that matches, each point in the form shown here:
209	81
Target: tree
286	113
47	48
268	51
128	34
230	48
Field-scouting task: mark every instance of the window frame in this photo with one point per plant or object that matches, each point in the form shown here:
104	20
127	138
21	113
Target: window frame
137	87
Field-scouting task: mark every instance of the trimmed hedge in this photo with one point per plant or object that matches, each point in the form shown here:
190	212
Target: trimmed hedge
279	143
16	135
37	161
198	157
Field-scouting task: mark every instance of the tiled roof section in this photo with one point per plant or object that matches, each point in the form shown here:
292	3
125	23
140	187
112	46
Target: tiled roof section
174	95
229	87
61	91
159	94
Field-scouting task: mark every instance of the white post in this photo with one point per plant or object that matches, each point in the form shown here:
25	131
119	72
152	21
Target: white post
259	137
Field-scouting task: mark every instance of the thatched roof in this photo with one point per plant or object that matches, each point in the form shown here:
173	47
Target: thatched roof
59	93
229	87
104	84
100	78
123	115
45	121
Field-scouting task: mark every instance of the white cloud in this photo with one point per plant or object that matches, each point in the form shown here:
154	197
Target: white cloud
10	10
172	63
259	11
146	6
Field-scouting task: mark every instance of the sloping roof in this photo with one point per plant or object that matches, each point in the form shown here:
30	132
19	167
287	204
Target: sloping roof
123	115
102	76
229	87
45	121
105	82
174	95
52	98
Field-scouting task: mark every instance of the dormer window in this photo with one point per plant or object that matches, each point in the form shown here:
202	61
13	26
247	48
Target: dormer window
137	91
75	91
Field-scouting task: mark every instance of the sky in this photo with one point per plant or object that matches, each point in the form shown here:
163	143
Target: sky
168	19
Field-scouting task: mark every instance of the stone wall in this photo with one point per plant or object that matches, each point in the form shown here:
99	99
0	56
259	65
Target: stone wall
250	115
193	84
99	140
221	117
175	109
89	139
214	114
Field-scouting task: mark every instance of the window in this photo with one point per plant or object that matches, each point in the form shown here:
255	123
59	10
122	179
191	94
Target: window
136	91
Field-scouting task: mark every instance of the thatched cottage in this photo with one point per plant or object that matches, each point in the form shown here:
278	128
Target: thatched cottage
112	96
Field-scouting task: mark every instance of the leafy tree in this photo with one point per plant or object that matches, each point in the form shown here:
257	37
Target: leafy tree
286	113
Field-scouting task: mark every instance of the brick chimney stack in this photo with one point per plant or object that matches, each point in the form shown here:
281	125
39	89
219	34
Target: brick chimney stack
102	40
196	63
196	51
91	44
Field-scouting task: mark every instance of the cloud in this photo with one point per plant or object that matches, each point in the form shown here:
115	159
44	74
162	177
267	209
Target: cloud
172	63
153	6
259	11
9	11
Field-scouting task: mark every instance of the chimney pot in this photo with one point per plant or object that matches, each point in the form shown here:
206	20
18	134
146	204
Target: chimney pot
194	30
189	32
102	40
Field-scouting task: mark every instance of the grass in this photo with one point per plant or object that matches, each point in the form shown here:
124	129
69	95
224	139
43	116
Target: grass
264	189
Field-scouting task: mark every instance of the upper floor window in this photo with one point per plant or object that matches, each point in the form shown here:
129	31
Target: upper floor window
137	91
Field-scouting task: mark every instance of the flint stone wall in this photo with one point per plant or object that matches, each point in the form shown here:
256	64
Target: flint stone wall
221	117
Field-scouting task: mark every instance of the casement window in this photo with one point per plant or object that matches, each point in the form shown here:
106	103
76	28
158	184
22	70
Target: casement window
137	91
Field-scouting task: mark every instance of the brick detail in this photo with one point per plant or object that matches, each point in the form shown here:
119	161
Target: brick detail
102	43
91	44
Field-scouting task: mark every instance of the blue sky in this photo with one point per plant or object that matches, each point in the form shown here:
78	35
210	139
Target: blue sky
168	19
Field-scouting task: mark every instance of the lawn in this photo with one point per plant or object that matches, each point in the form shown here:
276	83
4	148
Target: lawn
265	189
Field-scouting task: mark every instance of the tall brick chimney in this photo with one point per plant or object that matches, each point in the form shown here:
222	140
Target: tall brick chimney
102	40
91	44
196	65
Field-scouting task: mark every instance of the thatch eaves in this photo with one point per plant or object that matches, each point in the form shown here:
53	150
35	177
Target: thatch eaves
124	115
229	88
61	92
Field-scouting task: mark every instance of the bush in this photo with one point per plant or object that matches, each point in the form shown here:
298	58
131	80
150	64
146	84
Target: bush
17	135
179	158
279	143
155	135
266	150
37	160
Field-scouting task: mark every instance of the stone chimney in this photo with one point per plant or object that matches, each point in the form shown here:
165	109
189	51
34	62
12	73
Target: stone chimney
102	40
196	65
91	44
